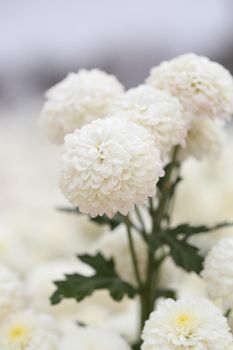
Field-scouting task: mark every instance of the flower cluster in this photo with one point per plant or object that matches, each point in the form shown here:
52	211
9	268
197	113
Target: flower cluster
205	88
158	111
77	100
186	324
108	166
218	272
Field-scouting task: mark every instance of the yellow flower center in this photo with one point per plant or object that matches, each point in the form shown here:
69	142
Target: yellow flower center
183	319
18	333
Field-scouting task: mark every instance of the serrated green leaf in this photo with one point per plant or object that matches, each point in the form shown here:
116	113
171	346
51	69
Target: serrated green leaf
184	254
100	220
105	277
186	230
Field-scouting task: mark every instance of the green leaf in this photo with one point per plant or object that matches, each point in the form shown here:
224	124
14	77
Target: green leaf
105	277
184	254
187	230
100	220
165	293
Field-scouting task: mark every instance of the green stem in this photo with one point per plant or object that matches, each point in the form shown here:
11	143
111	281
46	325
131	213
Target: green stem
133	253
165	191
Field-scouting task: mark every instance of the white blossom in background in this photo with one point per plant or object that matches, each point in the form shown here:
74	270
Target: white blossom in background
39	286
189	324
218	272
92	338
77	100
158	111
27	330
12	297
108	166
204	139
205	88
115	244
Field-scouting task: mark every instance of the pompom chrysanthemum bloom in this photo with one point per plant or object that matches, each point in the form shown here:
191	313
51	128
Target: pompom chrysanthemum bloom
77	100
115	244
11	292
205	139
109	166
29	331
205	88
91	338
158	111
192	324
218	272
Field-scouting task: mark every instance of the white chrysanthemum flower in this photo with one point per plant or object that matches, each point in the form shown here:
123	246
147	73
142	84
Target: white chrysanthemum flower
11	292
108	166
218	272
92	338
26	330
205	88
115	244
77	100
193	324
158	111
204	139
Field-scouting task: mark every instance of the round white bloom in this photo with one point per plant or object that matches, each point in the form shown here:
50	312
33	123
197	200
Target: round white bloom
108	166
205	88
115	244
11	292
218	272
78	99
158	111
92	338
204	139
29	331
193	324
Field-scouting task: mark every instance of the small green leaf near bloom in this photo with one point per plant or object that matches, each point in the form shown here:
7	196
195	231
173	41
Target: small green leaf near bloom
105	277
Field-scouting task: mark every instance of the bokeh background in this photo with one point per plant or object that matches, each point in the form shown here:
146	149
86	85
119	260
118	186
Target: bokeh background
44	40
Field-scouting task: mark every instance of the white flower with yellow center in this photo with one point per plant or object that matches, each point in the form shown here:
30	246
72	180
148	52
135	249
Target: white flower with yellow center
204	139
191	324
218	272
77	100
158	111
11	292
109	166
28	331
205	88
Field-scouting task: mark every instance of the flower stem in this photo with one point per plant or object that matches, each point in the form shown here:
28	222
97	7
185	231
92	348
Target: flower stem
133	253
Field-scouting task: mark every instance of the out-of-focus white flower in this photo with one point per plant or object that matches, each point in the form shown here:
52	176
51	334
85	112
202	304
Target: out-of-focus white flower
11	292
93	310
218	272
40	286
92	338
204	139
78	99
158	111
12	251
26	330
186	324
115	244
109	166
40	234
205	88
